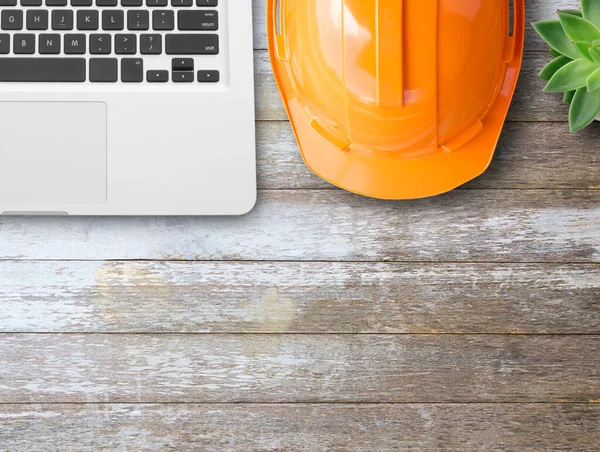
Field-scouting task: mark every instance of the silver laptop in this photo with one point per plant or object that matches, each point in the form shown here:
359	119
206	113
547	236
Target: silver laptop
126	107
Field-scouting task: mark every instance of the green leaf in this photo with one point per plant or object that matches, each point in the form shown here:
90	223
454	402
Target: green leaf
593	81
568	97
578	29
552	67
595	54
591	11
554	53
574	12
552	32
571	76
584	49
584	109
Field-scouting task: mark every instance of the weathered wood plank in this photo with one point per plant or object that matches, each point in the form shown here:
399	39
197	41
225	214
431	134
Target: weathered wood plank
536	10
301	427
298	368
530	155
466	225
155	297
529	103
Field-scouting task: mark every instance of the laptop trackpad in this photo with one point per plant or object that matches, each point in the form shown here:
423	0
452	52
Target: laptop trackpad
52	153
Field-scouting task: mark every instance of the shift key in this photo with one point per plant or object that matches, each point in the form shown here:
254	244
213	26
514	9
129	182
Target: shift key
196	44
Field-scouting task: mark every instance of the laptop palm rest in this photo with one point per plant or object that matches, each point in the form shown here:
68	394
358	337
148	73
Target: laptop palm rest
52	153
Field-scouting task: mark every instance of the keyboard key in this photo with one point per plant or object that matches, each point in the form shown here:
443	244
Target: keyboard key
106	2
56	2
100	44
8	2
209	76
132	70
113	19
155	3
49	44
207	2
182	64
11	19
138	19
24	44
199	44
81	2
87	19
198	20
157	76
163	20
103	70
133	3
31	2
125	44
4	44
183	77
180	3
42	69
62	19
151	44
75	44
37	19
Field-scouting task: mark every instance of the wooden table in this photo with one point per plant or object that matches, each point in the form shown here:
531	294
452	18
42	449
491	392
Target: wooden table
322	320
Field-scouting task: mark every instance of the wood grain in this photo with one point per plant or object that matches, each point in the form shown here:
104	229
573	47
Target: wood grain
210	297
535	10
515	251
224	427
467	225
298	368
529	103
529	156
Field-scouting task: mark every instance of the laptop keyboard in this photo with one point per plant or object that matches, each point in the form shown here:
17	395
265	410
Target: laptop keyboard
104	41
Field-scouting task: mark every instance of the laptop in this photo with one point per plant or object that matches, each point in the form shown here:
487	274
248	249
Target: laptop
126	107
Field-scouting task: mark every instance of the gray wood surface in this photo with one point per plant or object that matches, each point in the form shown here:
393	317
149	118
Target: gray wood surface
340	427
291	297
327	225
322	320
281	368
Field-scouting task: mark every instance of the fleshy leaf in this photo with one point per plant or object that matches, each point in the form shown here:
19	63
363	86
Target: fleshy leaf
595	54
568	97
552	32
574	12
554	53
578	29
584	109
591	11
593	81
553	66
571	76
584	49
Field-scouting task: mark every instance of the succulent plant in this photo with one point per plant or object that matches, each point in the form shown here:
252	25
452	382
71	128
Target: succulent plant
574	42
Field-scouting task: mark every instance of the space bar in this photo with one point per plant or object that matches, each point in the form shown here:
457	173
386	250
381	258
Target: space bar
42	69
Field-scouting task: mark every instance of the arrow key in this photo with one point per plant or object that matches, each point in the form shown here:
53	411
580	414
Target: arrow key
182	64
157	76
209	76
183	77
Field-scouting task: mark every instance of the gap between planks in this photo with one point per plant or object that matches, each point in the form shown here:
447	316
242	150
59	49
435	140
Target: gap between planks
277	333
291	404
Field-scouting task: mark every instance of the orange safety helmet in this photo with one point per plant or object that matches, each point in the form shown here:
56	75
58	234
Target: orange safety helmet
396	99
